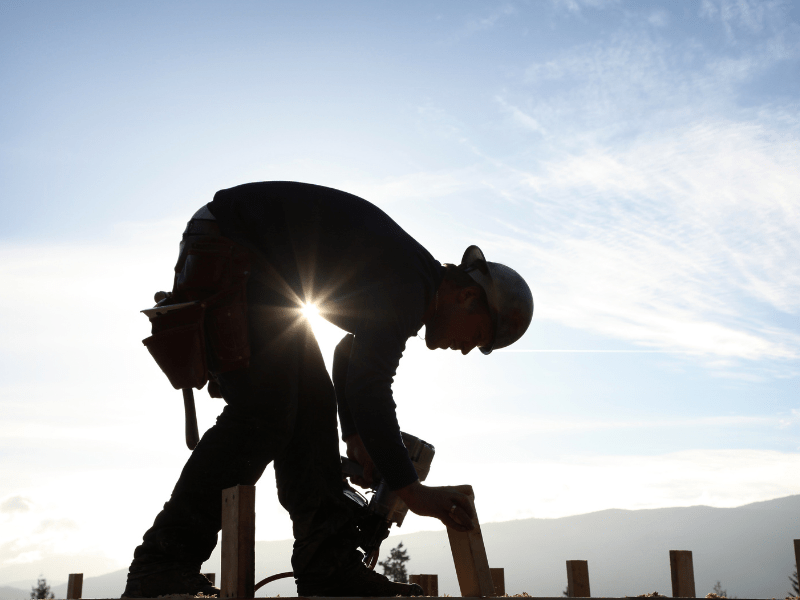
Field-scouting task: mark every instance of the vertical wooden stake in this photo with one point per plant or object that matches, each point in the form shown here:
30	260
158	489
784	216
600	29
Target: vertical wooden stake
469	555
797	554
499	581
238	542
212	577
428	583
75	586
578	579
680	563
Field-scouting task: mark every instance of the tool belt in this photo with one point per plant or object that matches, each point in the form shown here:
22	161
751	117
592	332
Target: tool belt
200	328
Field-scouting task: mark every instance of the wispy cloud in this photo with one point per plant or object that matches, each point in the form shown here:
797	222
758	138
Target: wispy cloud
575	6
745	16
15	504
528	426
550	489
523	119
649	206
673	241
476	23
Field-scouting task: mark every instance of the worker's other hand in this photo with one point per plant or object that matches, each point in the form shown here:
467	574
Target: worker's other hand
439	502
358	453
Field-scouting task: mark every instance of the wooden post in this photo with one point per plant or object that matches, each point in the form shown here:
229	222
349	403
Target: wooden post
680	563
75	586
469	555
428	583
578	579
212	577
499	581
238	542
797	554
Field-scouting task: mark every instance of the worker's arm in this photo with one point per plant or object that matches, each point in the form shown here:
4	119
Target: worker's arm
373	363
355	447
341	362
438	502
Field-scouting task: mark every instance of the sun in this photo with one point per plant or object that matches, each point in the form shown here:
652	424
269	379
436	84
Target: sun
326	333
310	312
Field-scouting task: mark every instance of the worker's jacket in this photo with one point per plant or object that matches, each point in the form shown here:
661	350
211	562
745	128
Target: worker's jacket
365	275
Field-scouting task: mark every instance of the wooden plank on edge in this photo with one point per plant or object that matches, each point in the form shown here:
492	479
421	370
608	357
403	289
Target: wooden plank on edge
578	579
75	586
682	570
469	555
238	572
429	583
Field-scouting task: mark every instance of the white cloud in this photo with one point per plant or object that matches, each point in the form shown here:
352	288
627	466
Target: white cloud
557	488
658	18
670	241
659	211
749	16
521	118
686	239
15	504
576	6
475	24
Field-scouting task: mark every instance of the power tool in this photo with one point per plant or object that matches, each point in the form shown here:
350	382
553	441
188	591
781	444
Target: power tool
374	519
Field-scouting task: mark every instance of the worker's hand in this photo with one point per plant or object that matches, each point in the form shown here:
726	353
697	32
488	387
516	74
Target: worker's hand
358	453
439	502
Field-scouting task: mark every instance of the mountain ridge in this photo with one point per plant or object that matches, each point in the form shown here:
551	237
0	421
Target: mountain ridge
748	548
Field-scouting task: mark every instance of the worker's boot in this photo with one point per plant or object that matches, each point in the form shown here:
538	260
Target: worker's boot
358	581
165	579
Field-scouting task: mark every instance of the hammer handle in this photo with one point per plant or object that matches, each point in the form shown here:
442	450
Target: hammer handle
192	435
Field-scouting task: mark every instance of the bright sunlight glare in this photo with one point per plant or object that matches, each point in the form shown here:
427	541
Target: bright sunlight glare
310	311
327	334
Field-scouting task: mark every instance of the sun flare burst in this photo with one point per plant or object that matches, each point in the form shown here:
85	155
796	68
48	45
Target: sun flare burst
310	311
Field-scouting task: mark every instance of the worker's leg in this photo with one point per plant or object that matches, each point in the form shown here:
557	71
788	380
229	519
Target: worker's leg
325	561
309	479
252	430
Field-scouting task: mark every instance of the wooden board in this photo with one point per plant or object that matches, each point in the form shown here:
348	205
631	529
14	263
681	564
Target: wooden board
428	583
797	555
680	564
237	577
178	597
469	555
578	579
74	586
499	581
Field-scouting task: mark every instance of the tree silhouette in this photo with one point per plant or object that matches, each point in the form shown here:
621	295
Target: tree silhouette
719	591
394	567
41	591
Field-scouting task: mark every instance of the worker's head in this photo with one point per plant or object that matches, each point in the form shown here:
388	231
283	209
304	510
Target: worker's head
481	304
461	318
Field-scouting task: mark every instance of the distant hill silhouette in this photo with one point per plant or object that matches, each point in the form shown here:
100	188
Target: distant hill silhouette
748	548
13	593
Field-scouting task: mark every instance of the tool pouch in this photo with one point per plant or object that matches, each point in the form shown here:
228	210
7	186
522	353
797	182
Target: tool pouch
203	329
178	344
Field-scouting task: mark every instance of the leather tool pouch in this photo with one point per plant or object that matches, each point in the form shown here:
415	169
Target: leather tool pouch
203	328
178	345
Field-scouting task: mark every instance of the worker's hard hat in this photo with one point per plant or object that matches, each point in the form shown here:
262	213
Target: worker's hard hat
510	298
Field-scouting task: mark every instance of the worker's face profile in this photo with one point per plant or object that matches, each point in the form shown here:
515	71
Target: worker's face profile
456	327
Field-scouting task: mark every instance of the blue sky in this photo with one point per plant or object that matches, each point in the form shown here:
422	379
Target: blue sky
635	161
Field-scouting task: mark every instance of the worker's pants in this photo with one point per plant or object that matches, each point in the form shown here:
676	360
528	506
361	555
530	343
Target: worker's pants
281	409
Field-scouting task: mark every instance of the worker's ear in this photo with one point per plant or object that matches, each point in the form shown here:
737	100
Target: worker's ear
467	294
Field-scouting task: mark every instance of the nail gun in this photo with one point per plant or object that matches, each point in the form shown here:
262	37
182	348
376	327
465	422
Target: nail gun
374	519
